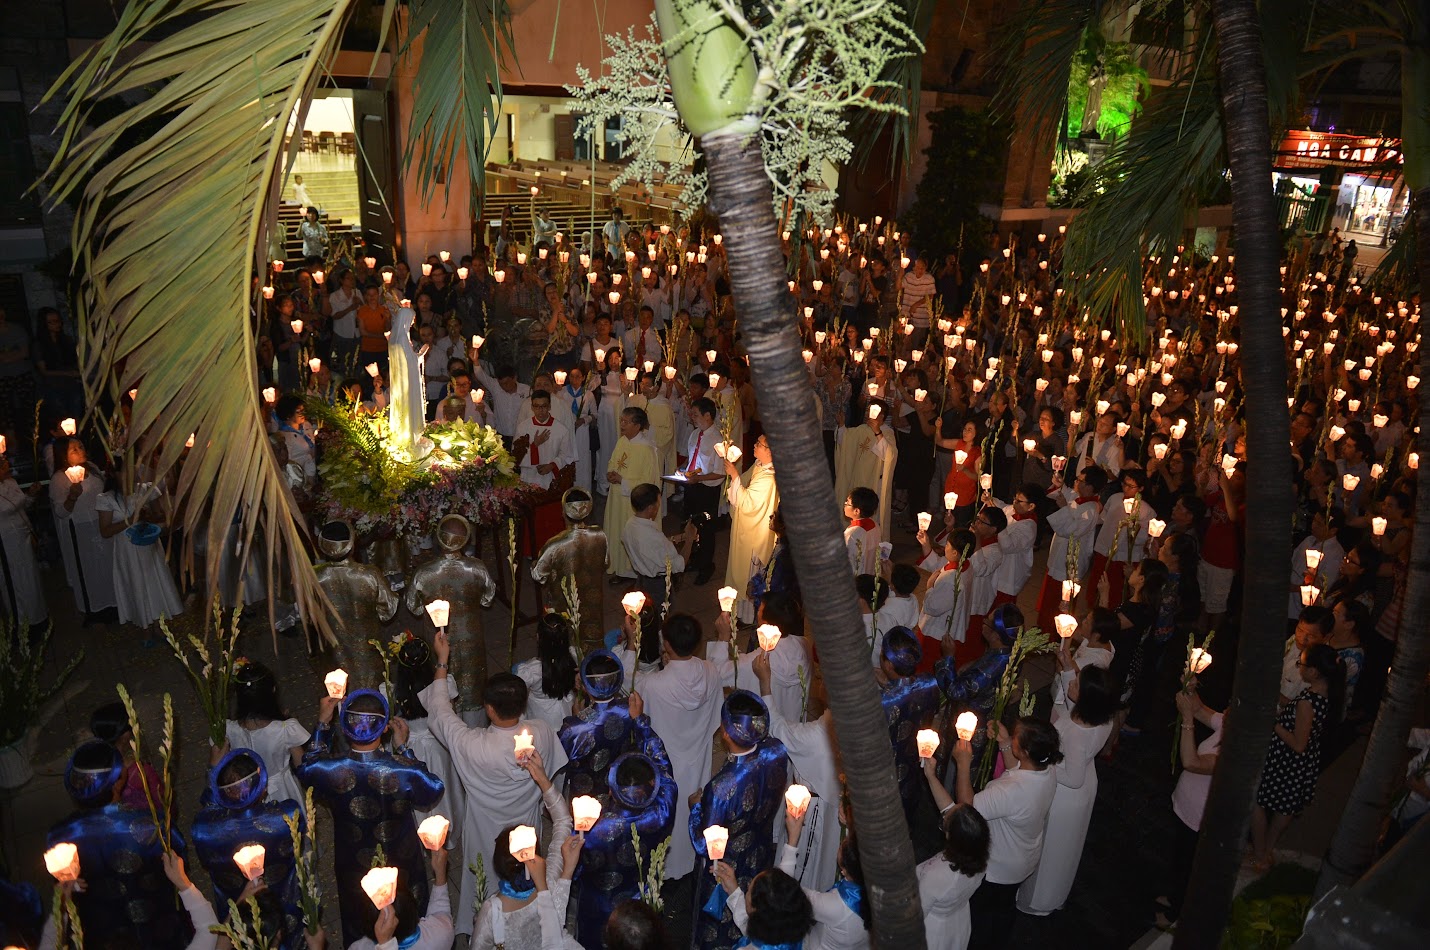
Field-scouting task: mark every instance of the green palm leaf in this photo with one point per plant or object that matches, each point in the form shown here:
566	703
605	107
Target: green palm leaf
165	234
456	93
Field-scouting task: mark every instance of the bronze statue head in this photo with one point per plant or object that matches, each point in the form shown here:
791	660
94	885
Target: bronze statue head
576	506
336	539
453	533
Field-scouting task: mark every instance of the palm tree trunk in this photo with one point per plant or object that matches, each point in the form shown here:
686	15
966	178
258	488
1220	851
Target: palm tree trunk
741	196
1354	847
1242	73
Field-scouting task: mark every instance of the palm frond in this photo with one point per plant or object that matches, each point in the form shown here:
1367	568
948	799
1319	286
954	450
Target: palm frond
904	78
456	92
1036	51
165	234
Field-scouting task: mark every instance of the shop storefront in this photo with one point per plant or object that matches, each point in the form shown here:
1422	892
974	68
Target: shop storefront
1325	180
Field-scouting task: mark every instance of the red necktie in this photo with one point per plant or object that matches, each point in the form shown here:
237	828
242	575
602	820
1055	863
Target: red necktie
695	455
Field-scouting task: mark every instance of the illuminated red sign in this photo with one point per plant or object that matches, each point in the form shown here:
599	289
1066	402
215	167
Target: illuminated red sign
1305	149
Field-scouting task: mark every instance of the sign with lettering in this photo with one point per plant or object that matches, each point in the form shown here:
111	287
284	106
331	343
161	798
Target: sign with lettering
1305	149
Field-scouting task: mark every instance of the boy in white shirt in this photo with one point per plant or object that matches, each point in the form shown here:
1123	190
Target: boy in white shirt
862	536
903	606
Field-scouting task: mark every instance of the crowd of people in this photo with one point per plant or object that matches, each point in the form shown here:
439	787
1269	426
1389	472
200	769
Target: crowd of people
1002	466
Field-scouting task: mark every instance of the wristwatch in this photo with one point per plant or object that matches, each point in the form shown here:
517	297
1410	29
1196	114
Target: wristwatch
442	666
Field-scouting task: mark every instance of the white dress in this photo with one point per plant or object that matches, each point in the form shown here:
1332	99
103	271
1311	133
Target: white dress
143	586
1047	889
582	406
89	558
272	742
495	927
553	712
944	894
608	417
21	595
1084	655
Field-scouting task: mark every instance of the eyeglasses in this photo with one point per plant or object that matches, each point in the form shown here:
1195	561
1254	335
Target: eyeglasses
984	521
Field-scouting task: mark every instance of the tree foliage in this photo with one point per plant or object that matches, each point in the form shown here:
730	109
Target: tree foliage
964	169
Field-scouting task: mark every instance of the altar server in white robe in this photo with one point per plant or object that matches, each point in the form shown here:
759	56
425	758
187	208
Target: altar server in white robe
88	556
549	449
753	498
499	791
21	595
545	382
143	586
683	702
810	746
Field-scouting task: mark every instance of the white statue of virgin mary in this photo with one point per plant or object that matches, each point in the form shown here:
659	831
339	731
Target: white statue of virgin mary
405	415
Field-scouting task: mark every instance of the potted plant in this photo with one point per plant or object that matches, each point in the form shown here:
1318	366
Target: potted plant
21	664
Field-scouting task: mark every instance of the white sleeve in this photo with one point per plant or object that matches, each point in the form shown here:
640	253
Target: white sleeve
202	914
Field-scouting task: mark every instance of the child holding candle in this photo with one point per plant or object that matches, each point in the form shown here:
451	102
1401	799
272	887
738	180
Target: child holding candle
910	701
398	924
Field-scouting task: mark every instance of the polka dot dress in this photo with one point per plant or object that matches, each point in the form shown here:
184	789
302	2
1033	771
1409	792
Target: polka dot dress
1288	779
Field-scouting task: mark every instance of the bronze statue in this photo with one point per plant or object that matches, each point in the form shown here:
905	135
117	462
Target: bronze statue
464	582
362	602
576	556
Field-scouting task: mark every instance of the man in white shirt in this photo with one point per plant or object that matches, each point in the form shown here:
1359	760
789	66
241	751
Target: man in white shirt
917	297
549	448
649	550
1322	538
613	234
505	396
1101	447
499	790
683	702
704	472
343	305
641	343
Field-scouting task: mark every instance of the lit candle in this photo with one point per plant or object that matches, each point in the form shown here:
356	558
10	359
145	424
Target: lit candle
315	364
1160	450
631	374
875	411
966	725
1122	430
670	372
1313	558
732	454
439	611
462	273
925	520
797	799
769	636
76	474
928	743
1071	589
380	885
985	481
478	395
189	442
1310	593
950	500
960	456
426	270
1128	504
1059	462
433	832
1349	481
716	837
1155	527
67	426
1377	526
634	603
524	745
372	370
585	812
1029	445
727	596
1199	660
249	859
270	394
63	862
559	377
337	683
1066	625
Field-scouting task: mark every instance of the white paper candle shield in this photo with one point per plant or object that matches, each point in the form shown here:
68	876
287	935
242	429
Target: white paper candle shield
523	744
75	473
1199	660
716	837
433	832
634	603
63	862
928	743
270	393
670	372
337	683
769	636
950	501
1155	527
1128	504
380	885
585	812
960	456
797	799
1313	558
439	611
985	481
1309	594
1378	526
732	454
1029	445
1071	589
372	370
249	859
925	520
727	596
1349	481
966	725
315	364
523	842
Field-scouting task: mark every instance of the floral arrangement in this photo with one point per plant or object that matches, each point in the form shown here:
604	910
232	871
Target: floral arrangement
21	663
161	799
211	670
649	882
468	471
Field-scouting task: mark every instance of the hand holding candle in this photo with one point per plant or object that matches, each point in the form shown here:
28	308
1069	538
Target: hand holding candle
727	597
63	862
769	636
337	683
1199	660
440	611
928	743
716	837
966	725
249	859
433	832
585	812
524	745
797	799
925	520
634	603
76	474
380	885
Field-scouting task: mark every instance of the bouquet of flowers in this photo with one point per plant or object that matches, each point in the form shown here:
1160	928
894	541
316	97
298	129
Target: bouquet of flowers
211	670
